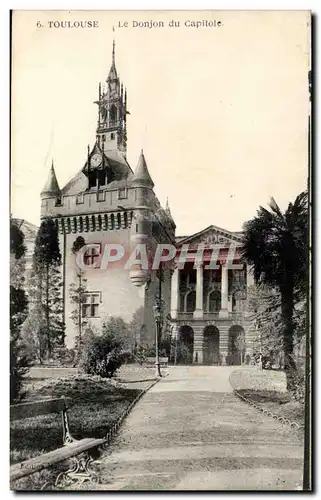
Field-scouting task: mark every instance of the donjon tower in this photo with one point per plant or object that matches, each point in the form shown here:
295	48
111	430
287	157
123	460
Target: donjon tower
107	202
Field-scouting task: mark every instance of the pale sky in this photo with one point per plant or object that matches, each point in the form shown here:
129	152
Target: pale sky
221	113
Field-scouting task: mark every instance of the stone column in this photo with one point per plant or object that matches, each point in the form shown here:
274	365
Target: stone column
198	313
175	293
224	291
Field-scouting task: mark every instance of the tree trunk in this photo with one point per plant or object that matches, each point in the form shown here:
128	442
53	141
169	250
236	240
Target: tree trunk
79	312
47	310
287	308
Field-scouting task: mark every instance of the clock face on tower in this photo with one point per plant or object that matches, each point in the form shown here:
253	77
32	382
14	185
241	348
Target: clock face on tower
96	160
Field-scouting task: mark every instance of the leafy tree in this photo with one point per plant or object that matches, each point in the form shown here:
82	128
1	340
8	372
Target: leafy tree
135	329
19	360
264	305
103	354
77	294
45	290
276	245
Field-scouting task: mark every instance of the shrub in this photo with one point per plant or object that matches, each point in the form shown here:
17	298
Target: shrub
140	354
103	354
150	352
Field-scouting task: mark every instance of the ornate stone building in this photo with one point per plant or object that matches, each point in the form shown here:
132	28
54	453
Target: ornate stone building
209	306
107	203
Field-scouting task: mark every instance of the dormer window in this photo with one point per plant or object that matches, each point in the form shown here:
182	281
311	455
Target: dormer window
102	178
58	201
80	198
92	179
122	193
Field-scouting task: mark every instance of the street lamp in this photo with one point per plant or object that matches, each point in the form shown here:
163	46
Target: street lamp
157	317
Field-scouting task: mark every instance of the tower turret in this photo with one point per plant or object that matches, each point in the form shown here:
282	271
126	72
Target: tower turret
51	188
141	229
112	111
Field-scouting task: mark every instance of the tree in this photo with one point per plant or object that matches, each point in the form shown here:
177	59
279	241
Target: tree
103	354
136	329
276	245
46	290
19	360
77	294
264	305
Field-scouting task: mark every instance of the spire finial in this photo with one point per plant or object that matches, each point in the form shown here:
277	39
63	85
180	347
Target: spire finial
167	209
113	59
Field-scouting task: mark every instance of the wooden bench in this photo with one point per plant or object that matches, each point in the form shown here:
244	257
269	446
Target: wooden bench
70	449
162	361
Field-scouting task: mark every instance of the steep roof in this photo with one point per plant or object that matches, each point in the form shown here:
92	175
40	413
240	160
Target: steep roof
51	188
29	230
113	72
142	174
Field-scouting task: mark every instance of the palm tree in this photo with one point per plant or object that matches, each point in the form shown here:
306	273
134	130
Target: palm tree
276	245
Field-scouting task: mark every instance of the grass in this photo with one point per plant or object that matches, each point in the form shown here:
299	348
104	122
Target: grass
97	404
268	390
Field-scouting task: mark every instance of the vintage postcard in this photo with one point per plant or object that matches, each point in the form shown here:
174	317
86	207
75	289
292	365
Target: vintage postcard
160	279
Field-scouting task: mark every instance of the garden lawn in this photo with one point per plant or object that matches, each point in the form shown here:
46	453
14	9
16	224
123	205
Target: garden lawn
97	404
268	390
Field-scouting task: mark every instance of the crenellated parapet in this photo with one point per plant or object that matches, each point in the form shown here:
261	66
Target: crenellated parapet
94	222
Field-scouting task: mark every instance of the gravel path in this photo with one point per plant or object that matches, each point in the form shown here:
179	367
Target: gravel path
190	432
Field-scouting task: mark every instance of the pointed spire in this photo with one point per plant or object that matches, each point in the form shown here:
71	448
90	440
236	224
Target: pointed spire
112	72
51	188
167	209
141	174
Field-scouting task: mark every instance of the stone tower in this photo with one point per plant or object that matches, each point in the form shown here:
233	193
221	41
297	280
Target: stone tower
106	203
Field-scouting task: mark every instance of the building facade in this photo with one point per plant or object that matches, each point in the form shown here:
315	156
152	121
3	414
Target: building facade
209	298
107	203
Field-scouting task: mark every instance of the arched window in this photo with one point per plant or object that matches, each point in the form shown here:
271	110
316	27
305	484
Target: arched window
191	301
93	222
125	219
113	113
118	221
214	301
